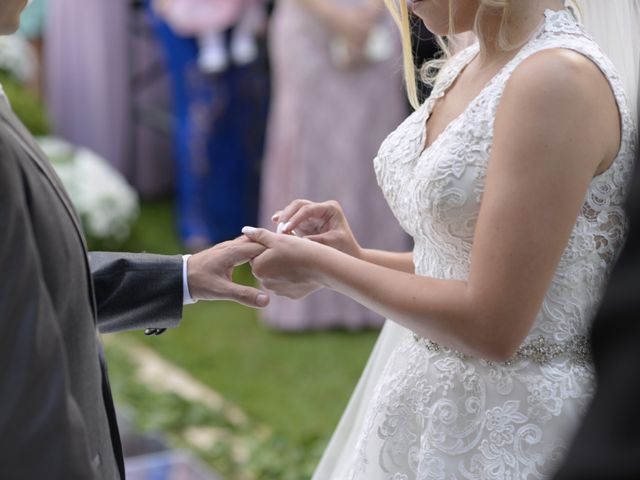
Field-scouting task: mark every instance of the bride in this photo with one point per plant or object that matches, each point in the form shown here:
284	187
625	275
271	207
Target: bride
511	179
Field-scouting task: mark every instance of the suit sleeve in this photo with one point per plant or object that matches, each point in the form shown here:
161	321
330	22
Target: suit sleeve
42	430
136	291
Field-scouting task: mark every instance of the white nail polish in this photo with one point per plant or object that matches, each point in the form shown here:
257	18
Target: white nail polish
249	230
281	228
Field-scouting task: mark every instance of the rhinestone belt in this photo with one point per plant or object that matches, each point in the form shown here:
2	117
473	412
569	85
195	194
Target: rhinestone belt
540	350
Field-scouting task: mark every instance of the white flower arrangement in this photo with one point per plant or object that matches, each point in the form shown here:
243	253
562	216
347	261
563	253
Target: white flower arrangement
106	203
17	57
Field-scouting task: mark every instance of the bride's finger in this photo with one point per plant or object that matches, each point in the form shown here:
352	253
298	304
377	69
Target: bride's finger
291	209
311	219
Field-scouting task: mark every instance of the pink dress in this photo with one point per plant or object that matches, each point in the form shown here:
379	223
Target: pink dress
92	54
195	17
325	128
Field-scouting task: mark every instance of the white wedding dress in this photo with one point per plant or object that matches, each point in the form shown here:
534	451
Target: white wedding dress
422	411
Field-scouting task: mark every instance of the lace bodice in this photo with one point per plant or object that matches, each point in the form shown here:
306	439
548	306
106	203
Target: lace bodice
429	413
436	194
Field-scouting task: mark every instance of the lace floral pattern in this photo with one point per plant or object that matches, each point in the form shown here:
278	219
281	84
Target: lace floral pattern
433	414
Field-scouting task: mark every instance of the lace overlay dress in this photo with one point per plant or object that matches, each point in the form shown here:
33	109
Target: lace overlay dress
422	411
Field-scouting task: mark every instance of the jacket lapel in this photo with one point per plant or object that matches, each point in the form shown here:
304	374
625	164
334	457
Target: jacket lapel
33	151
28	143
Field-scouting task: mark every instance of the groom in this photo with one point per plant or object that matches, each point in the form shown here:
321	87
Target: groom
57	419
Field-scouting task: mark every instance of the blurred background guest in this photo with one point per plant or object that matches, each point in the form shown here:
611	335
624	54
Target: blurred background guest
94	50
337	95
219	119
207	21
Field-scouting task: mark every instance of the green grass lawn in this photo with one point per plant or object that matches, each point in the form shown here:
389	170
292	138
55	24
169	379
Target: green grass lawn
296	384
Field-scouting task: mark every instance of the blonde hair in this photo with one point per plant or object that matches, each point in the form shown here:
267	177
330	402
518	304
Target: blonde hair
400	13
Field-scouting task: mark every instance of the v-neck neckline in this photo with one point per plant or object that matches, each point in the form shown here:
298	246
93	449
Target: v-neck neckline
473	52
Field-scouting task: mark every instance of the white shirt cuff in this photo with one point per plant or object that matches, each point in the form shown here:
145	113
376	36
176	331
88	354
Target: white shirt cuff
187	299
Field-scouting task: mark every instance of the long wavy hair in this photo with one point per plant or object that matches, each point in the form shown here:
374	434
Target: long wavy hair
428	72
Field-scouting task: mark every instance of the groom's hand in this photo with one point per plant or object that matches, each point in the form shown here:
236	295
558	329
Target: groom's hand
210	271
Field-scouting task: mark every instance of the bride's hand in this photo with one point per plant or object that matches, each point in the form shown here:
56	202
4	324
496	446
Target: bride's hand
287	265
321	222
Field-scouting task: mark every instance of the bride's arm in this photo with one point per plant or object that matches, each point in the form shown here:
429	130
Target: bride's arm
401	261
556	126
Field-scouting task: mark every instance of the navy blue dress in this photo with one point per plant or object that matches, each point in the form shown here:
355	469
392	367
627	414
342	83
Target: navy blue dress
219	131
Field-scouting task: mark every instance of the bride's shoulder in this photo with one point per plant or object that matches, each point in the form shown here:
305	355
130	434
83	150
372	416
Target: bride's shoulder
561	81
558	64
559	103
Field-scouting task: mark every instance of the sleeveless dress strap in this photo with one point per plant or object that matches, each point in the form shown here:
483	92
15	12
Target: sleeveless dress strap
561	30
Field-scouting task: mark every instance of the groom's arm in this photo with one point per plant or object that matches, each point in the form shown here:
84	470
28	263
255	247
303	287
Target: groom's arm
136	291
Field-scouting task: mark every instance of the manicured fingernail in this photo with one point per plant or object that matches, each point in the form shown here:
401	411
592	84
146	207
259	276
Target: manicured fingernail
262	300
286	227
280	228
275	217
249	230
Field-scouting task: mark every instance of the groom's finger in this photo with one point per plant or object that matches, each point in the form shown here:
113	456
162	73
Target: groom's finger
244	252
251	297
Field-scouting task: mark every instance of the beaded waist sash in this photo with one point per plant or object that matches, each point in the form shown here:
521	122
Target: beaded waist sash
540	350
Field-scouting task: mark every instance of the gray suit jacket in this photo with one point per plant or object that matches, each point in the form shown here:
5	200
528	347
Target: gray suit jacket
57	419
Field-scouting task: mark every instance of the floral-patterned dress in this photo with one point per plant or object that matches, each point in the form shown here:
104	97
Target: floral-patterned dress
423	411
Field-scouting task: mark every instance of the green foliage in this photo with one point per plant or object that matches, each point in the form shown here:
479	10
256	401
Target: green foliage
270	456
27	105
155	230
96	244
